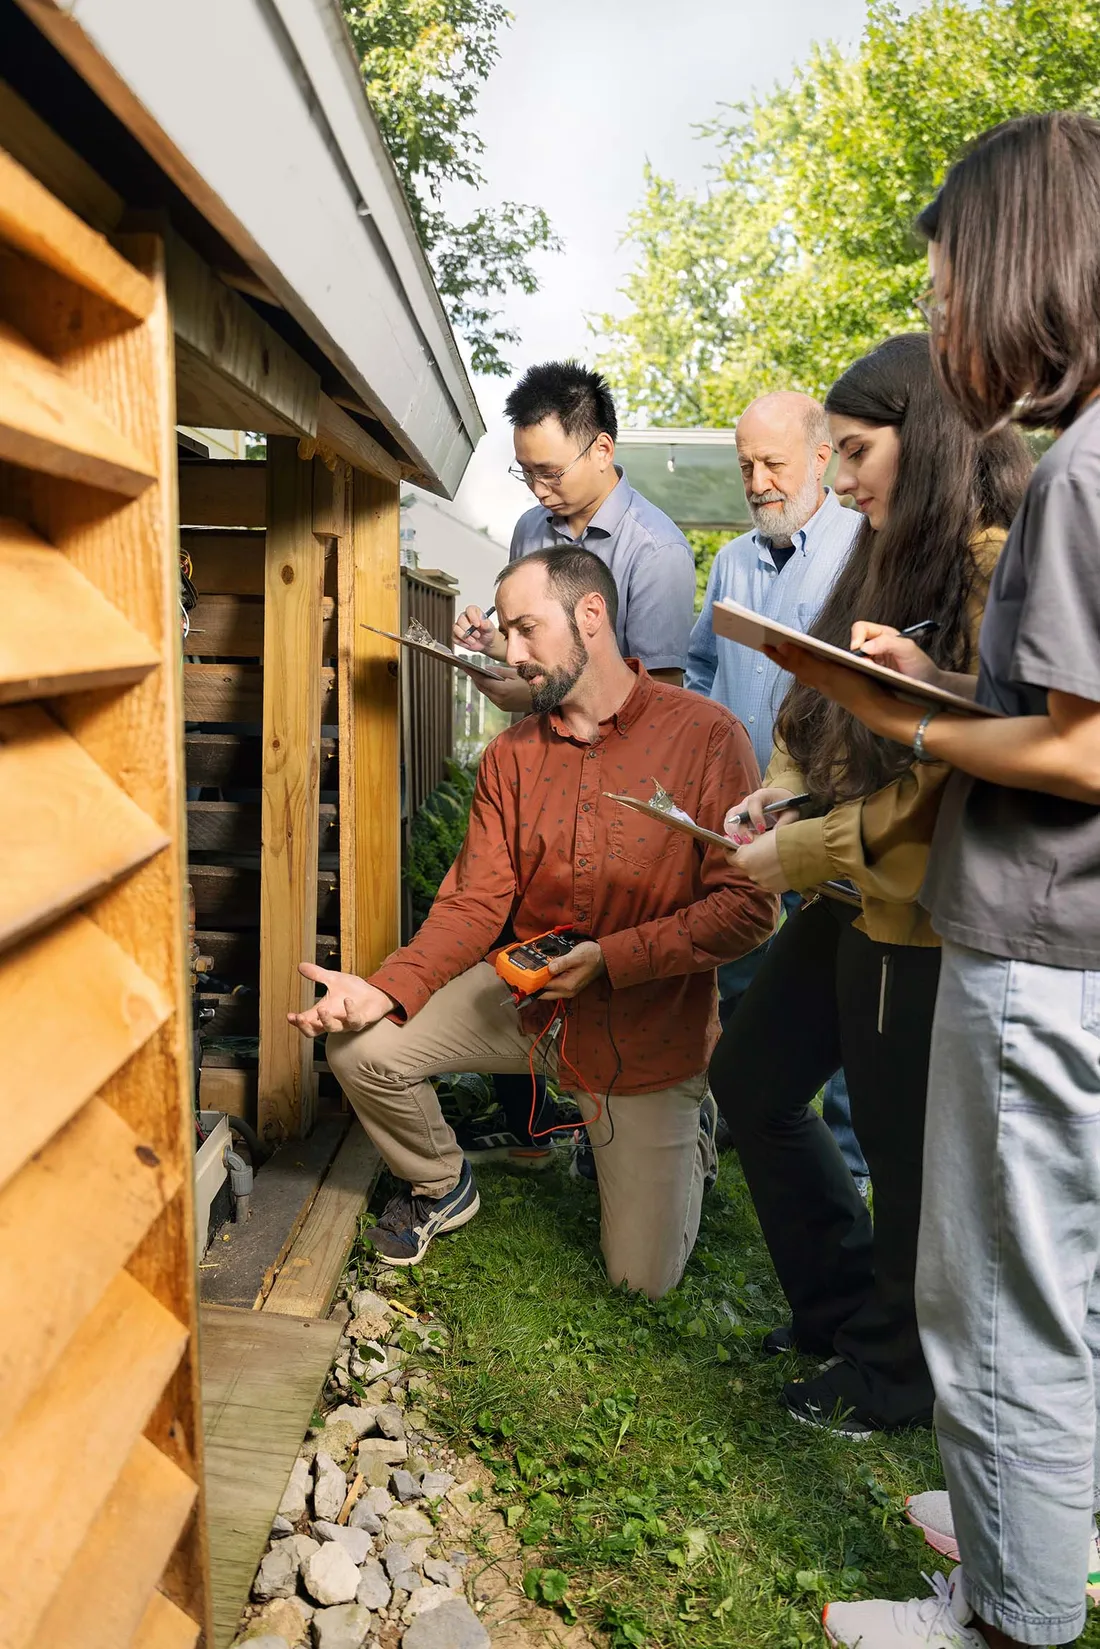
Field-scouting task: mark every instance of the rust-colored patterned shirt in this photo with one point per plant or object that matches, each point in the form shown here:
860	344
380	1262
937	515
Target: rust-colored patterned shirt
546	846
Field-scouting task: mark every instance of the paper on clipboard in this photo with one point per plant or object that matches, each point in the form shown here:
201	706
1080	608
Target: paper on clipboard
426	643
663	807
737	623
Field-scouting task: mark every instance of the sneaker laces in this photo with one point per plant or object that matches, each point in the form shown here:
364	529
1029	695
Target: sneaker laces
395	1216
935	1614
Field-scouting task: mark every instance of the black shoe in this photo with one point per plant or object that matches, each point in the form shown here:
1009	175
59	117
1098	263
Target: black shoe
778	1341
582	1164
408	1224
490	1139
821	1402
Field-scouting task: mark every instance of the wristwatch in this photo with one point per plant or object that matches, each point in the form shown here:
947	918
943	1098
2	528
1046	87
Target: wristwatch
918	736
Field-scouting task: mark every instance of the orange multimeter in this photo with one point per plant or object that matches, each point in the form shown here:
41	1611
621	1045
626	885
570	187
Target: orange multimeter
525	967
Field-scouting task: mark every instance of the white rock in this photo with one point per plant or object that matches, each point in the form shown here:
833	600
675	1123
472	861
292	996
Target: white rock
356	1542
453	1625
300	1545
329	1489
382	1448
405	1523
395	1560
380	1501
374	1589
278	1574
443	1574
293	1503
343	1627
281	1526
389	1421
405	1486
428	1597
363	1518
330	1576
434	1485
361	1420
267	1640
283	1618
366	1303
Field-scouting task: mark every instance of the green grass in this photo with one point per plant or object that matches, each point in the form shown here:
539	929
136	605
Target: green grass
640	1448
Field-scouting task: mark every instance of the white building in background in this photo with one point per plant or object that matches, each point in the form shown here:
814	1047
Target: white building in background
446	543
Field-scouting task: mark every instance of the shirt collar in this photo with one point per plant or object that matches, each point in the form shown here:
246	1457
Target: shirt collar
803	538
609	515
625	716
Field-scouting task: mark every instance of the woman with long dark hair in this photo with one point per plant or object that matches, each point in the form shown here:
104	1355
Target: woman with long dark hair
854	982
1008	1289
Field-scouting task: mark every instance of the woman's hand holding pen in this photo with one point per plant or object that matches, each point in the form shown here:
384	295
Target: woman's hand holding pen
741	830
885	645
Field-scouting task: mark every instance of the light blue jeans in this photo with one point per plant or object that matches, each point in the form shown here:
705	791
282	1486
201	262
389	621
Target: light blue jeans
734	979
1008	1280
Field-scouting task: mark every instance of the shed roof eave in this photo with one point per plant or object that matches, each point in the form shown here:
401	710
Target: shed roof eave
280	152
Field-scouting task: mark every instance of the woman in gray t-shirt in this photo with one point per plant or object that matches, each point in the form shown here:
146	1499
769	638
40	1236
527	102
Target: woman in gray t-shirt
1008	1285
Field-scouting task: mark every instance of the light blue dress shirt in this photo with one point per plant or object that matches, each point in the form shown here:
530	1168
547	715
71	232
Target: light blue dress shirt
746	682
648	557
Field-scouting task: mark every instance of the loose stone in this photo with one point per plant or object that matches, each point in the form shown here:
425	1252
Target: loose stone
329	1489
434	1485
362	1517
406	1523
293	1504
405	1486
330	1576
362	1420
389	1420
453	1625
374	1589
342	1627
443	1574
278	1574
356	1542
427	1598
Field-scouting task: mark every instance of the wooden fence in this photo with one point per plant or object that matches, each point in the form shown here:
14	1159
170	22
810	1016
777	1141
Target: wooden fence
427	689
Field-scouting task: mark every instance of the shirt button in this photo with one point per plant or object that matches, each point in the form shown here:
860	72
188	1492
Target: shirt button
760	669
751	720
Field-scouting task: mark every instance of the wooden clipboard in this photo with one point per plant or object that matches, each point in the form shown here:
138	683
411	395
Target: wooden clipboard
741	624
687	827
442	654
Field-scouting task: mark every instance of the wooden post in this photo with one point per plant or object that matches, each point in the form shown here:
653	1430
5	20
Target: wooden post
370	730
293	595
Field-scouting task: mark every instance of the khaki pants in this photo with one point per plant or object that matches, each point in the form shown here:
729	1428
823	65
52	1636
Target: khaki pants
650	1156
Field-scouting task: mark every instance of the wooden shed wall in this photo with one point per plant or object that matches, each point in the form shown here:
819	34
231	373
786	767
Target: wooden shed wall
99	1415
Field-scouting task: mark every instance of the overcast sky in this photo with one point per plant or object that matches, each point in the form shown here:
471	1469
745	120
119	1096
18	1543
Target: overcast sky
584	93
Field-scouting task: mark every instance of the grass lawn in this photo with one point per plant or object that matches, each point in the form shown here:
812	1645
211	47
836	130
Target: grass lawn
640	1447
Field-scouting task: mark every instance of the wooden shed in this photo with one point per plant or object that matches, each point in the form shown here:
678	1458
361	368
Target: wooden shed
200	226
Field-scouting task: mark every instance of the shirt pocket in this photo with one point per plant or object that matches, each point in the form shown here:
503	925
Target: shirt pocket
641	841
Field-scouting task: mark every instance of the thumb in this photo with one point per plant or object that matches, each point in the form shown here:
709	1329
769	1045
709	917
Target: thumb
557	964
321	976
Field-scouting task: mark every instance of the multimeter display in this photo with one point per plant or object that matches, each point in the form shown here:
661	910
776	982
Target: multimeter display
525	966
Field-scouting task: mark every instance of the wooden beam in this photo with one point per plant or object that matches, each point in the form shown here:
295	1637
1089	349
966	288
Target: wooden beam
234	827
311	1271
32	220
340	433
370	732
35	145
231	759
233	371
330	485
223	492
234	692
230	626
228	1089
225	562
291	784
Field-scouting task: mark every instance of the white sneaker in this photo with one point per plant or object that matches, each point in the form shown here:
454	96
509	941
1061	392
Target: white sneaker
931	1512
937	1622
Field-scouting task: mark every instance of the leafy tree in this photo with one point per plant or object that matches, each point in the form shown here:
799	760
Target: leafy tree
800	256
424	63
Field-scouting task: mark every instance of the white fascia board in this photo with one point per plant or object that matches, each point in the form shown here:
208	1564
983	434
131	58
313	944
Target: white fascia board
694	437
256	110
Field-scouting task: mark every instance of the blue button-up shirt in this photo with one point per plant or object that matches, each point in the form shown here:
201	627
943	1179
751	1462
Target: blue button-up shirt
744	681
648	557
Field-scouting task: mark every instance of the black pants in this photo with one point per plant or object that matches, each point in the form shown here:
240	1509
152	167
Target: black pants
827	995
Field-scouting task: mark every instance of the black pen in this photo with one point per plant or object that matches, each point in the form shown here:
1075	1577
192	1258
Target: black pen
472	631
910	632
772	807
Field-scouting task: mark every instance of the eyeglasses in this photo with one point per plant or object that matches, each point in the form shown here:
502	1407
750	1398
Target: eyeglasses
929	306
549	478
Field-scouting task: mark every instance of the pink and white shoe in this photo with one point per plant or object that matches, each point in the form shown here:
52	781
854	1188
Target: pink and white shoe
931	1513
941	1621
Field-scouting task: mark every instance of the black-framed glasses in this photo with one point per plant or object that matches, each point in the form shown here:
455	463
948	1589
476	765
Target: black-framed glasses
549	478
929	306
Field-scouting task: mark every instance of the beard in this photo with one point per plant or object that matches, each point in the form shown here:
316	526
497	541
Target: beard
780	525
555	683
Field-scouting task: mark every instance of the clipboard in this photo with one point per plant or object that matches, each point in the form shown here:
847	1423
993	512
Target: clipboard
675	821
436	649
737	623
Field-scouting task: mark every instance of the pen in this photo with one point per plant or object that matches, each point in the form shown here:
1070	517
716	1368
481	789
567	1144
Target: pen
772	807
489	613
912	630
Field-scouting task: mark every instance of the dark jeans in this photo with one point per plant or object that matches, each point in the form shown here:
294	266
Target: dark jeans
734	979
827	995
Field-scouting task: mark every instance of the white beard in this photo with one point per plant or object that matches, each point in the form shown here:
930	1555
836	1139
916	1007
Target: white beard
781	524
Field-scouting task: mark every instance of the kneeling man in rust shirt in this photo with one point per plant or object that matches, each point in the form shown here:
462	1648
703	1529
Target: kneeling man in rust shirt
545	847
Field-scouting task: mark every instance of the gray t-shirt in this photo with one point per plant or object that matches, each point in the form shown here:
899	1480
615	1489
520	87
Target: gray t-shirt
1017	872
648	557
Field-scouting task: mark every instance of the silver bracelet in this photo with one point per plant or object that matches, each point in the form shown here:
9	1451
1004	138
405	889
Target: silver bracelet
918	736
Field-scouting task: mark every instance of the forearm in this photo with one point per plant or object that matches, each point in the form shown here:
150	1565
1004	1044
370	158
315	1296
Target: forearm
1019	752
726	924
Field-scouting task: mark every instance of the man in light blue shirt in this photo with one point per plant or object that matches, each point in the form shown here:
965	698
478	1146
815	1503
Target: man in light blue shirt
783	569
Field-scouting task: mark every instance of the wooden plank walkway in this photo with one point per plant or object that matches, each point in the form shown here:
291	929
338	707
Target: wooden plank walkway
261	1376
312	1270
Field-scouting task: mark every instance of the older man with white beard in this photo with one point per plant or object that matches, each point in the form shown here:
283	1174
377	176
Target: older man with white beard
783	569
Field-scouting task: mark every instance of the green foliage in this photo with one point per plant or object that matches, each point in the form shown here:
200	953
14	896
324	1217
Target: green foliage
437	833
424	63
800	255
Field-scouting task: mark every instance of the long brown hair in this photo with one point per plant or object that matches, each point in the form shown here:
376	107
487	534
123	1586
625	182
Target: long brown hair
1016	219
950	484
